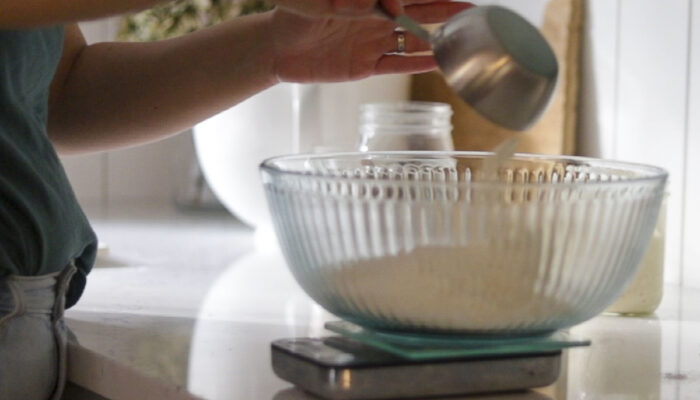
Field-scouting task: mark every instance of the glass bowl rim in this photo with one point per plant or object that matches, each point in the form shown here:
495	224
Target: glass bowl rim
651	173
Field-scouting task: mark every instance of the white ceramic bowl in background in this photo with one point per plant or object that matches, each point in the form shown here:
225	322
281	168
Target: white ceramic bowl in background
287	118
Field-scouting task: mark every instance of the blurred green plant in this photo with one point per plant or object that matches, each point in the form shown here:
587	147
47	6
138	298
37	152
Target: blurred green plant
183	16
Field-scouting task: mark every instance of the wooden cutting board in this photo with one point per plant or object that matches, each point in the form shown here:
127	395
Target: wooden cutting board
555	133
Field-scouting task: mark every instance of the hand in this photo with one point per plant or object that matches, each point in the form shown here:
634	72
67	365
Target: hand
331	49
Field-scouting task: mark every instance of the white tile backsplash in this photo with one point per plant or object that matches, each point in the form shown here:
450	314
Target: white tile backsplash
87	175
154	172
151	172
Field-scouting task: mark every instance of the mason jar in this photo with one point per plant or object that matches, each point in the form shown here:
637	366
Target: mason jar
412	126
645	292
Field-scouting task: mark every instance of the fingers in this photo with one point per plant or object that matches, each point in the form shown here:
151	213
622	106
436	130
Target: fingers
411	44
436	11
395	64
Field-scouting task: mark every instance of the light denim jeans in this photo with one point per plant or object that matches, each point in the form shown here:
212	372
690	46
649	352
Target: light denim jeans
33	336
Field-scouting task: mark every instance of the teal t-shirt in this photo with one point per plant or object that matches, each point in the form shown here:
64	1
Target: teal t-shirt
42	227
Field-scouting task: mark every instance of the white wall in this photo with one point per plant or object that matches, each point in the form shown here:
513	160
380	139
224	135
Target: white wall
639	99
691	217
640	102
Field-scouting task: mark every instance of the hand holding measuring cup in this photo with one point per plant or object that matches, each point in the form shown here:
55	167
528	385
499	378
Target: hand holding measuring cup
495	60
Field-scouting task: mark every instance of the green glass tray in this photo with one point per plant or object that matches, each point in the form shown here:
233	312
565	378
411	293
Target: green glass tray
415	346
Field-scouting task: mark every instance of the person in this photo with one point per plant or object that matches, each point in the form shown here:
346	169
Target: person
58	94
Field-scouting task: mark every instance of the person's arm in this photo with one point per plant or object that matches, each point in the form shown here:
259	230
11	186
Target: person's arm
18	14
118	94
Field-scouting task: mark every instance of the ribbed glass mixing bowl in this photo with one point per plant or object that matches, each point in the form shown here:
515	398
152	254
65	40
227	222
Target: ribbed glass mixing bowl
431	242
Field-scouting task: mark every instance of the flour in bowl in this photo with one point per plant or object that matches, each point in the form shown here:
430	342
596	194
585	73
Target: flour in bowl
478	287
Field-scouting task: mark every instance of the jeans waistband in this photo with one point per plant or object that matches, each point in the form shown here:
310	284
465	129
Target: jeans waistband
34	294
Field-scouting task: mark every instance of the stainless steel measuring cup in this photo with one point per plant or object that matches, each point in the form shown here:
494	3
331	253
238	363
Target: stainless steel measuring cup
496	61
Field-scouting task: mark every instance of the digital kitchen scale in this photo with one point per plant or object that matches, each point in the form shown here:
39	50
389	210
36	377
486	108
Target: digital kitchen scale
365	364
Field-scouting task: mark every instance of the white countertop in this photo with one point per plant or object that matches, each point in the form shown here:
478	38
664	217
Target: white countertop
183	306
